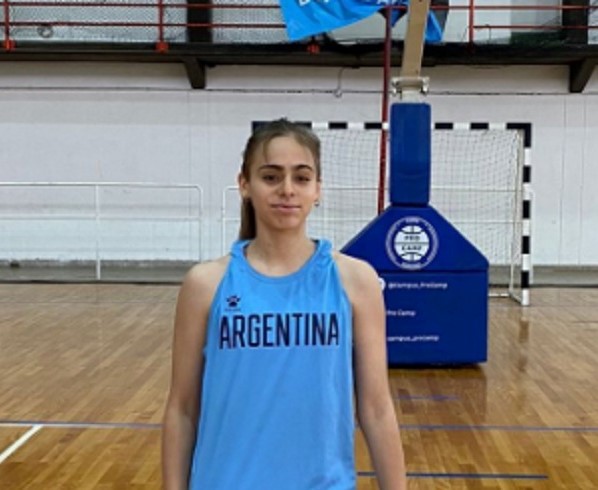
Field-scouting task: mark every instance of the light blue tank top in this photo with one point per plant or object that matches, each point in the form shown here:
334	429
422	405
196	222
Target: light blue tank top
277	397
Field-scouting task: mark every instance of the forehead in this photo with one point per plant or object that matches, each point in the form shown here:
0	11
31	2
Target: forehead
285	150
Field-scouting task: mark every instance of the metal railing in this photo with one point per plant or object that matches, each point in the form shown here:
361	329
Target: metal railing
98	214
171	20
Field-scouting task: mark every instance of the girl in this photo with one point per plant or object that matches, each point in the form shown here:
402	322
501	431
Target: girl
271	341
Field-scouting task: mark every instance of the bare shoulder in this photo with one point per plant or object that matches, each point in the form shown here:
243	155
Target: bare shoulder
202	279
357	275
354	269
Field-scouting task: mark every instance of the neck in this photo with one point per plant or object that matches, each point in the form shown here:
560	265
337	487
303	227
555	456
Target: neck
279	253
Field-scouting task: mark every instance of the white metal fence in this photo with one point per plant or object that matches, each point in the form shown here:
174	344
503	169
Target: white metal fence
91	221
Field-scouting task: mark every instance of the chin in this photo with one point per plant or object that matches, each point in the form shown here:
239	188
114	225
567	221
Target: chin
288	226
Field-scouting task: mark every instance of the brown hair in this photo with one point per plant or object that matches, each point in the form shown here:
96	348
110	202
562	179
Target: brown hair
259	140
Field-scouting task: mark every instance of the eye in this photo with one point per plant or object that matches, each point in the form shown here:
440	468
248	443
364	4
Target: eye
304	178
269	178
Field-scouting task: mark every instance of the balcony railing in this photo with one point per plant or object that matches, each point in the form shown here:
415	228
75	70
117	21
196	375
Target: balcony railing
162	23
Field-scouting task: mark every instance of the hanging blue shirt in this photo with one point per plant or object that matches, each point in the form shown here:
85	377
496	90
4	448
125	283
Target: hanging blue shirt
277	397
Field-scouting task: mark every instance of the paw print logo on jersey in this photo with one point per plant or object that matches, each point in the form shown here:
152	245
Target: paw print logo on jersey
233	301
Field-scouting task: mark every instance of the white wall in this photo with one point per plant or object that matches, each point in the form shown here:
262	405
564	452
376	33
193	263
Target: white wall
136	122
547	17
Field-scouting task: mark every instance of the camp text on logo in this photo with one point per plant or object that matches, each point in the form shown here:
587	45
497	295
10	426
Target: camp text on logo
411	243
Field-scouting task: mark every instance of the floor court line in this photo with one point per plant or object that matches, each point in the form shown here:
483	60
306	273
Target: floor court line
38	426
435	398
19	442
468	476
431	427
80	425
494	476
506	428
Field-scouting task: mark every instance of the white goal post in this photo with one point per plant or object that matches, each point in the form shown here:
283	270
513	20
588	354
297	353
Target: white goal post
481	178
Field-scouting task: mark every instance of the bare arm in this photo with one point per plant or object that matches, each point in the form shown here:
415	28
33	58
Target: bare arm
375	408
183	405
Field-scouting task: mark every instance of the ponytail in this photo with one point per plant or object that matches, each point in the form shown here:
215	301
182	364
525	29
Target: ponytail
248	228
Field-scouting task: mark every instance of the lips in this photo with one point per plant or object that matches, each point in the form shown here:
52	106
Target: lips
286	208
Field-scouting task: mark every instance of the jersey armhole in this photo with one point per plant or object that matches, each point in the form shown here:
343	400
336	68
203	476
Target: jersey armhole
336	256
214	300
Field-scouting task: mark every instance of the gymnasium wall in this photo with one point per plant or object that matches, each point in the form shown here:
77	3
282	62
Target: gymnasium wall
142	123
544	17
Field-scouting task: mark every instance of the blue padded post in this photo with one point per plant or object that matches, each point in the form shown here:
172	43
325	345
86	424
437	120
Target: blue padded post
410	154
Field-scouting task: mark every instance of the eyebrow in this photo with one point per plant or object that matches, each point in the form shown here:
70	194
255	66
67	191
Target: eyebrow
273	166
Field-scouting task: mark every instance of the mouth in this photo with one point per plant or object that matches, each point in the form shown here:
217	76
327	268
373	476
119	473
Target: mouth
286	208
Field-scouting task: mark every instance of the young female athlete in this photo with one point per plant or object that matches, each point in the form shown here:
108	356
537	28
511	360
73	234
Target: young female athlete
271	343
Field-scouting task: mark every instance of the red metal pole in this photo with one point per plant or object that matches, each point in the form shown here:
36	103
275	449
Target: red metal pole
471	21
161	45
385	90
8	43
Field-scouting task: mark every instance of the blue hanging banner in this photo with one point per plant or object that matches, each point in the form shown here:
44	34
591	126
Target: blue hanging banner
305	18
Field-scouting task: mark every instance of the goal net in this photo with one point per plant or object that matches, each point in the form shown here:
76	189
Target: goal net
477	184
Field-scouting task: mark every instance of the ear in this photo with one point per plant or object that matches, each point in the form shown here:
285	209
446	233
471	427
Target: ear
243	186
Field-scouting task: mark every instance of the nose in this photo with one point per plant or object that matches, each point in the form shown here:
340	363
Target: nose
287	188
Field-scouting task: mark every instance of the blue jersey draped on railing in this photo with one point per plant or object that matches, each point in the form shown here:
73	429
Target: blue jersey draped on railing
305	18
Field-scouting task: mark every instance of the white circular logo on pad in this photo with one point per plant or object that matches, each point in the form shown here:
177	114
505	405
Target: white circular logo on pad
411	243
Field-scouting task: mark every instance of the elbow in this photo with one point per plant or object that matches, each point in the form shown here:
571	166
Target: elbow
178	410
375	412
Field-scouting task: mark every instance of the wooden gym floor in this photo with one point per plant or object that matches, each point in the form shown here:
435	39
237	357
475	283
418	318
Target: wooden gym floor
84	371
